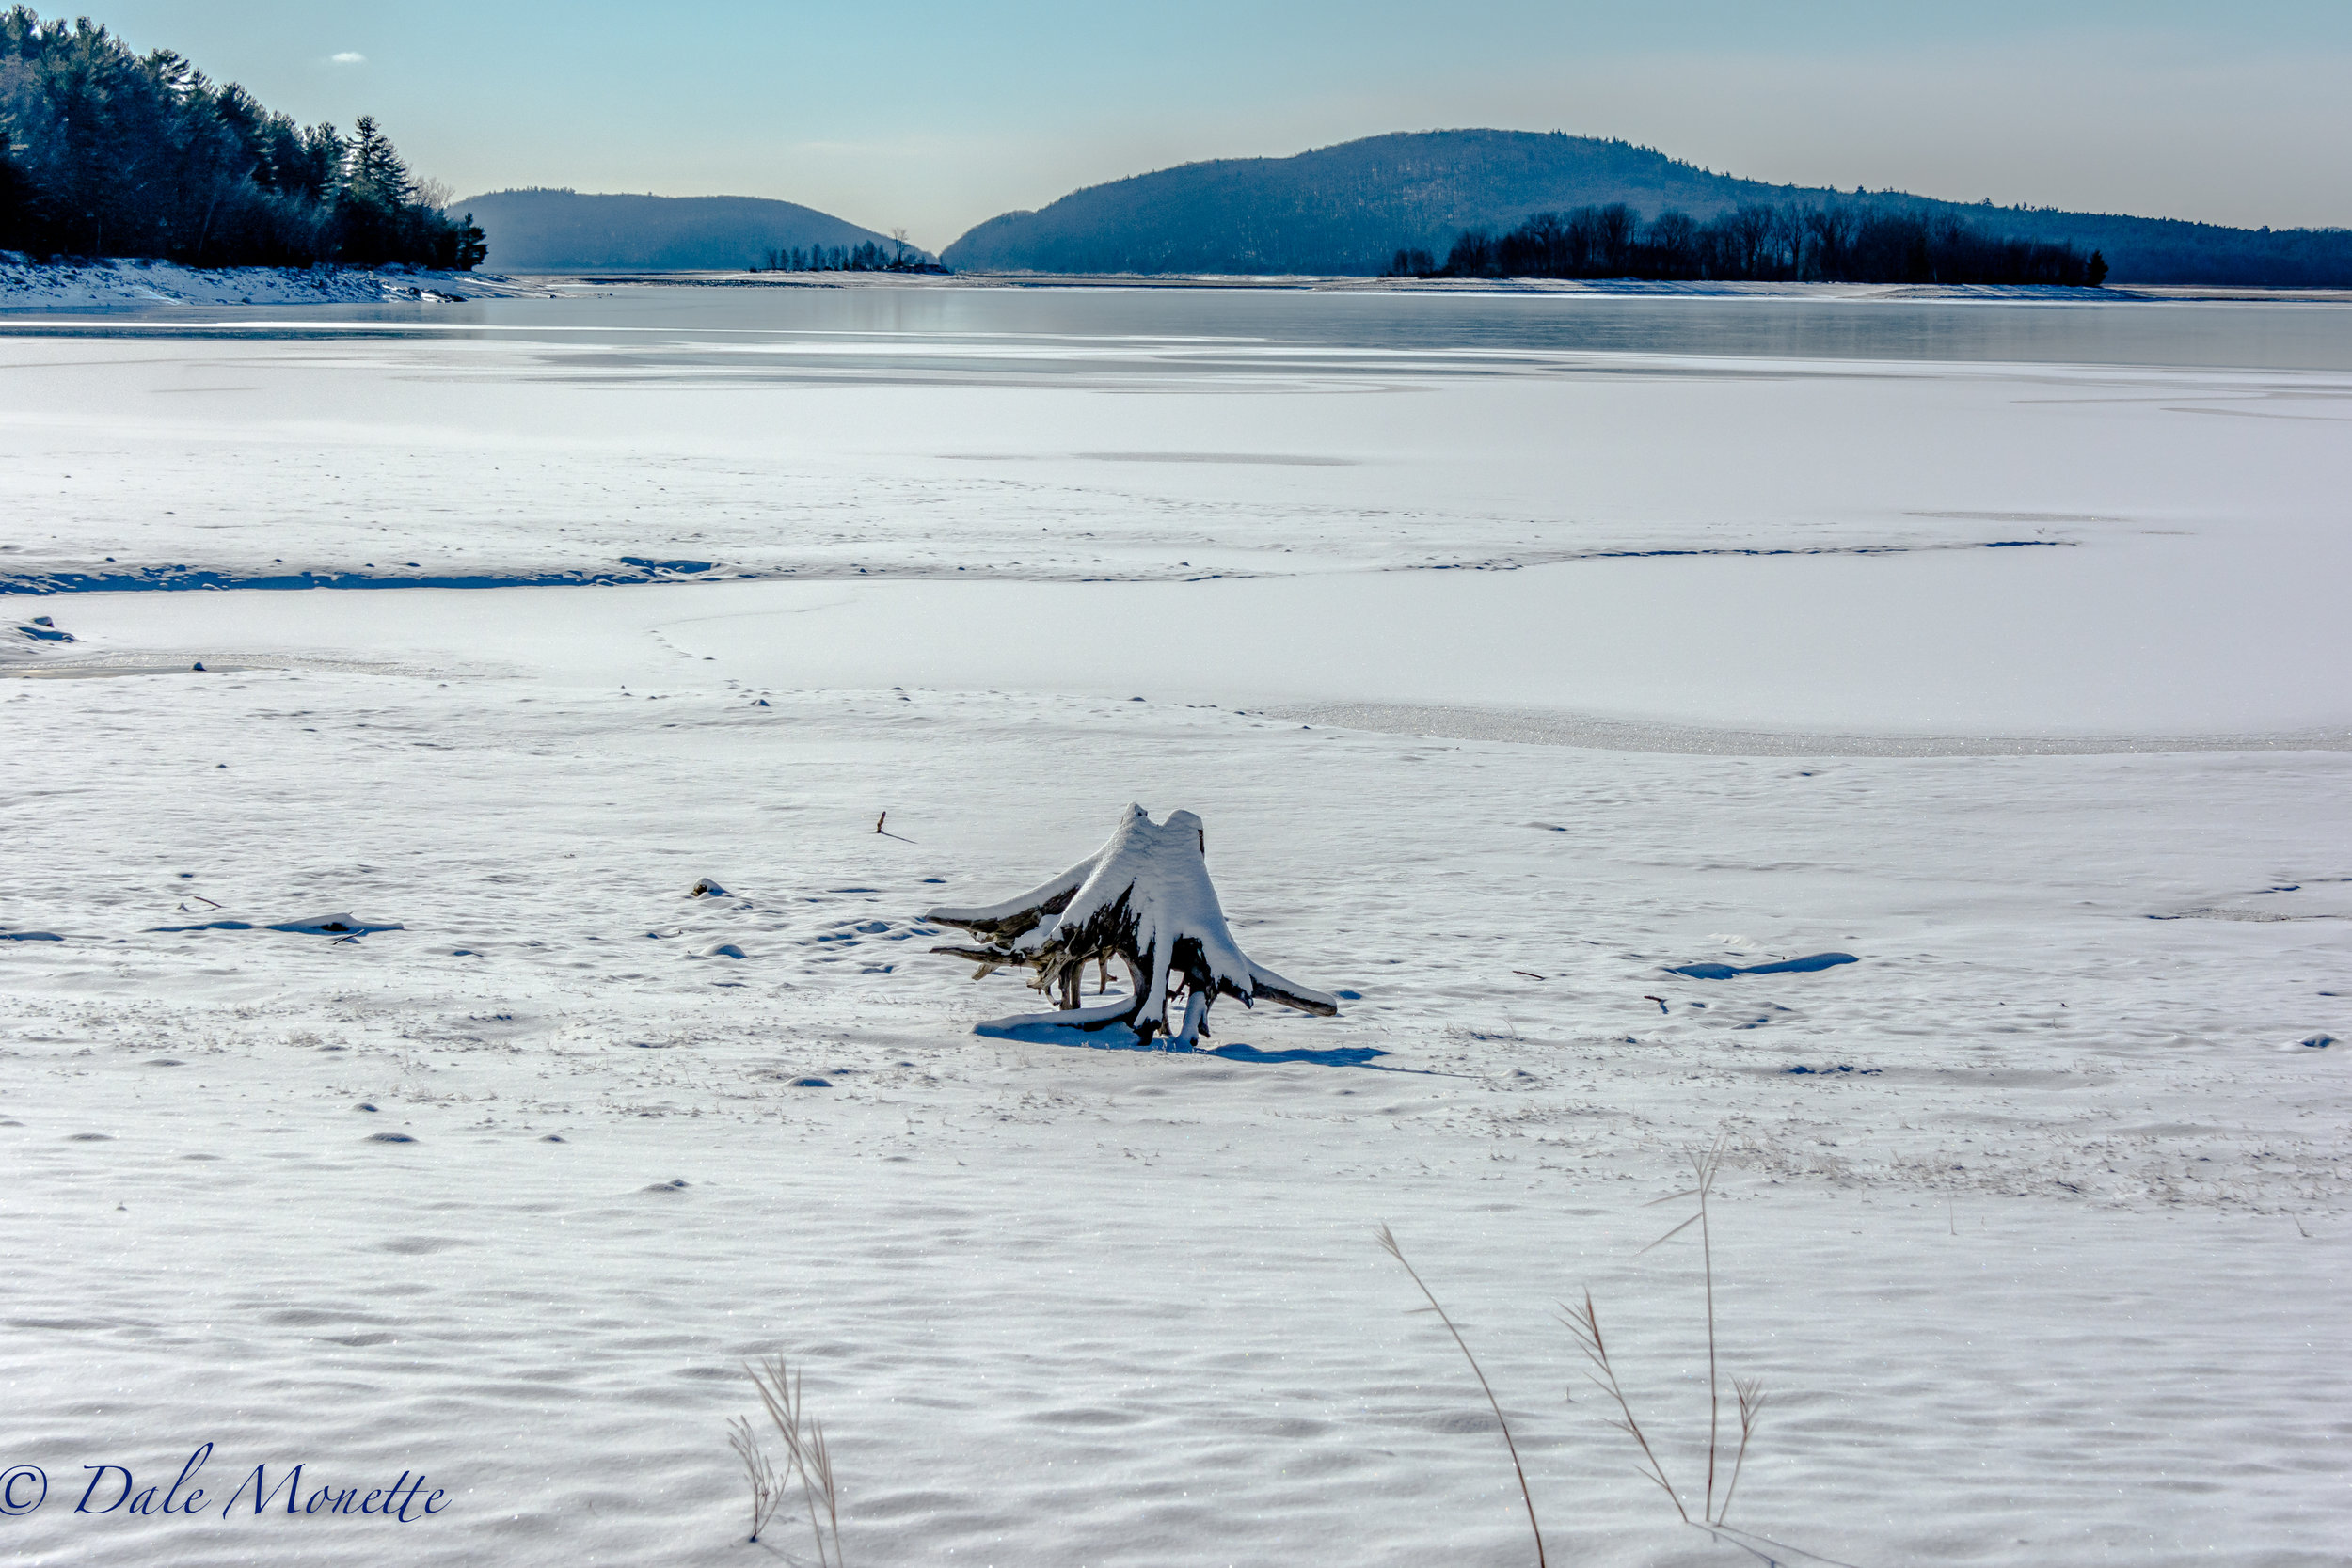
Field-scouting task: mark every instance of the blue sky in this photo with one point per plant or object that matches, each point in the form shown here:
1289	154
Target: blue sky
935	115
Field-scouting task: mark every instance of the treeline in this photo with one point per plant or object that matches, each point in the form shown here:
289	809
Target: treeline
866	255
1828	244
104	152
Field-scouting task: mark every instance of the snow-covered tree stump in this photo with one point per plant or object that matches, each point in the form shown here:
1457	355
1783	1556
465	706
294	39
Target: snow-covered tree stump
1145	898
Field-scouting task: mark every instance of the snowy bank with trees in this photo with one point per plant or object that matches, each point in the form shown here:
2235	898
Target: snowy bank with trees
26	284
104	152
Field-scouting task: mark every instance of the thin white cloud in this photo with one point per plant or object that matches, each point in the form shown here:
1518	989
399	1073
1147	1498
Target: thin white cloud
349	57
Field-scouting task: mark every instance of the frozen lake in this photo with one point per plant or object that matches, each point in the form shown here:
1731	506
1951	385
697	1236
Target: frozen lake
1765	514
1519	653
2058	646
923	321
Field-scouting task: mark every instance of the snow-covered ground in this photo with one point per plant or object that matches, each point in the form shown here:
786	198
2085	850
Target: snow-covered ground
2033	1221
144	285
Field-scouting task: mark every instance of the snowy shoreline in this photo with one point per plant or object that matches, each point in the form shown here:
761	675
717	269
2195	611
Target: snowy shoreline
1602	287
119	284
131	283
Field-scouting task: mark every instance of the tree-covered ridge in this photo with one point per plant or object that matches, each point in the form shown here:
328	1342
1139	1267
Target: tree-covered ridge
1825	243
1348	209
544	229
104	152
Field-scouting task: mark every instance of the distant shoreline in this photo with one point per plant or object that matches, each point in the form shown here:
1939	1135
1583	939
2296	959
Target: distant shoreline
1355	283
28	288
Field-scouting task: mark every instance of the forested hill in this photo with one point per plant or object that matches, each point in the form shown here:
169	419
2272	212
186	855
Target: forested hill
1350	208
560	231
104	153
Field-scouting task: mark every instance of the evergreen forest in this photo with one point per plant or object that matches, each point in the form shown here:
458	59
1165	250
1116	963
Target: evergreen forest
1757	242
104	153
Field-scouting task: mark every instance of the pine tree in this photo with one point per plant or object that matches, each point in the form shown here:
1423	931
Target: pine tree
373	169
15	199
472	248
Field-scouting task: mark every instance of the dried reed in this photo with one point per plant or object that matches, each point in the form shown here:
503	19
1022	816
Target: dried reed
805	1453
1706	1165
1389	1245
1751	1393
1585	1325
766	1490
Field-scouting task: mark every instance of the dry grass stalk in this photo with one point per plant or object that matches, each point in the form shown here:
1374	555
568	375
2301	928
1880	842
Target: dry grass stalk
1389	1245
1705	1166
767	1489
805	1453
1751	1394
1585	1325
1703	1169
